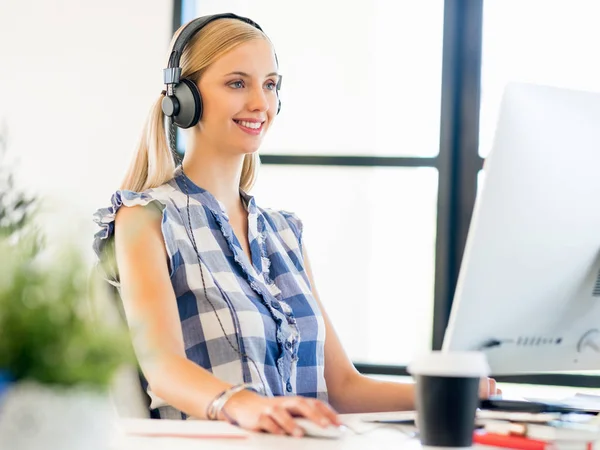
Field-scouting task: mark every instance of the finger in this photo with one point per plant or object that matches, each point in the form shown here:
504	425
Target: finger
268	424
284	419
328	412
307	409
484	386
492	388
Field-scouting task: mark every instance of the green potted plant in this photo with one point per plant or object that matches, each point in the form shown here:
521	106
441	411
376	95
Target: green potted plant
61	343
59	349
15	211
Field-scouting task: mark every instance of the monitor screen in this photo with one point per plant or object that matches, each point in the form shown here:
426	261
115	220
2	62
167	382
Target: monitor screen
528	292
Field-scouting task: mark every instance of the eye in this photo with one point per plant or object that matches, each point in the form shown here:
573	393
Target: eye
237	84
271	85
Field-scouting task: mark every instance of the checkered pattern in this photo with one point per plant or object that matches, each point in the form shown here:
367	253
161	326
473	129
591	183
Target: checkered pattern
265	305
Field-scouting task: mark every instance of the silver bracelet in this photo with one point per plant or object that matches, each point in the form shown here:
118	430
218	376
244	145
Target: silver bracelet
215	406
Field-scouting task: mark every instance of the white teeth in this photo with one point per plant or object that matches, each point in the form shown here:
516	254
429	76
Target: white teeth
253	125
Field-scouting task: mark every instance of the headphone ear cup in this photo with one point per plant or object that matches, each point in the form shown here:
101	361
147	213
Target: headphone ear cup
190	103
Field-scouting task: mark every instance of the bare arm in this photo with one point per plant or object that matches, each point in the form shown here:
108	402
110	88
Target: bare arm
350	391
151	309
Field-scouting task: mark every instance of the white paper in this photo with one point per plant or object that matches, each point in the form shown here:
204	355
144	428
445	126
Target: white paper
392	416
181	428
586	402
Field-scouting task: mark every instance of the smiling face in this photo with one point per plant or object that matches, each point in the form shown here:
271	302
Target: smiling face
239	96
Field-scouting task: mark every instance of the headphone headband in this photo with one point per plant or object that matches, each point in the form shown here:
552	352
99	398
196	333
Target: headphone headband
173	72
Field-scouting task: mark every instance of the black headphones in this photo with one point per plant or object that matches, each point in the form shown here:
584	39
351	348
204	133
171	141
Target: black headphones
182	99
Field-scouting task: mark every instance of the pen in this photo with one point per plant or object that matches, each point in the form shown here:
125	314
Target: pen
508	441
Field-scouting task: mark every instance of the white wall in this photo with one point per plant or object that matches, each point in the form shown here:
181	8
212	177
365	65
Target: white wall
78	79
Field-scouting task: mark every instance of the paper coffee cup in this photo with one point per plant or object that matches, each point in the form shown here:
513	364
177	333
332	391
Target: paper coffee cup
447	397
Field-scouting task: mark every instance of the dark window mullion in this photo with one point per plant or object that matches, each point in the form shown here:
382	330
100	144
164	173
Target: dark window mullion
347	160
362	161
177	20
572	380
459	161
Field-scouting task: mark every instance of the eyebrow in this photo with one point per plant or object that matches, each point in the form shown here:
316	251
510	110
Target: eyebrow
244	74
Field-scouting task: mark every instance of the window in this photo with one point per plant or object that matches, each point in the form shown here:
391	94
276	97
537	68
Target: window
361	91
365	82
396	130
535	41
371	241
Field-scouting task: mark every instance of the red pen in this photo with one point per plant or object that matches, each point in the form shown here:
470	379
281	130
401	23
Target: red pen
523	443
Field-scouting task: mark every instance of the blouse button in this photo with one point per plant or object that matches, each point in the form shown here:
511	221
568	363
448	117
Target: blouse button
288	345
288	387
275	305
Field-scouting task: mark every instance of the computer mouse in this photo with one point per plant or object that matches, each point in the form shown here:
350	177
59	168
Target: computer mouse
313	430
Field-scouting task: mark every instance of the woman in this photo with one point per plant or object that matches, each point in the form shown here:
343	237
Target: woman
219	292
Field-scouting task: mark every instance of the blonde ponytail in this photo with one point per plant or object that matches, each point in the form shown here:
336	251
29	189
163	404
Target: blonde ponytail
153	163
249	171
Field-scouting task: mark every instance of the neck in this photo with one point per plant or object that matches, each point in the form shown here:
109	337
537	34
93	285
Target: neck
218	175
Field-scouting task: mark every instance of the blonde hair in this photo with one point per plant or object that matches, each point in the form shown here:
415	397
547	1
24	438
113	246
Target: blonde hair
153	163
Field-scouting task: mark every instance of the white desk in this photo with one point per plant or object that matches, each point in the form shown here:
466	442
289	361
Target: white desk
381	436
384	437
380	439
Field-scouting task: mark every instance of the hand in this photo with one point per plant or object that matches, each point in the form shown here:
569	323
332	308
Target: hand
487	388
275	414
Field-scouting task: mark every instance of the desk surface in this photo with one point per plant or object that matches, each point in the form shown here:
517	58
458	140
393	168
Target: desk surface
383	438
134	434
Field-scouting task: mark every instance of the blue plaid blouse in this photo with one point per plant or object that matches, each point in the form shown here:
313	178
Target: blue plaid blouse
265	305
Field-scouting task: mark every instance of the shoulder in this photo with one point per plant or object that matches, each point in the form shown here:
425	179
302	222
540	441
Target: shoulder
132	208
284	222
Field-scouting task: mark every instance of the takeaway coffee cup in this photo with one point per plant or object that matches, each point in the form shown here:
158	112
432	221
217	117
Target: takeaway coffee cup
447	397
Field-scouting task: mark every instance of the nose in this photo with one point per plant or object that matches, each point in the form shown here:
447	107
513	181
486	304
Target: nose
258	100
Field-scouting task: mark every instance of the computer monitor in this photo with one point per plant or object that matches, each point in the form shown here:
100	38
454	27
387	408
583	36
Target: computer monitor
528	291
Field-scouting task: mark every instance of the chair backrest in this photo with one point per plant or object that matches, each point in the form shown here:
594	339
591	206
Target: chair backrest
115	297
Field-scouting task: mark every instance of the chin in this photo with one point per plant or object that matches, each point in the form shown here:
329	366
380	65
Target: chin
250	148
